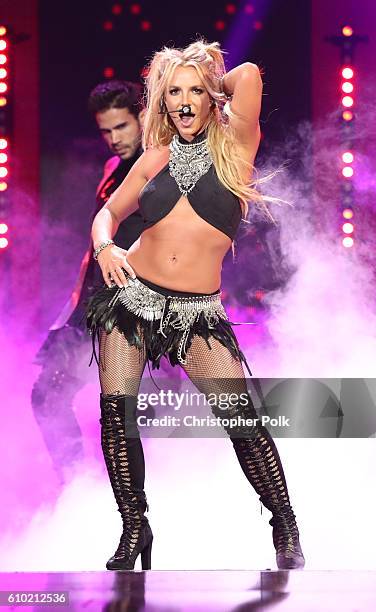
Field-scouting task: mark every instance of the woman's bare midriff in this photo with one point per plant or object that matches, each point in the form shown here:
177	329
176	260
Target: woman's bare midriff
181	252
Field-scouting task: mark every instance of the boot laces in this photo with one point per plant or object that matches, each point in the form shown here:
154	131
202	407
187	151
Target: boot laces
132	514
285	531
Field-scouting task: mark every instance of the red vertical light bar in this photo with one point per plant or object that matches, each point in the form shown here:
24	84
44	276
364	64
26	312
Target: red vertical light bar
348	99
23	259
4	140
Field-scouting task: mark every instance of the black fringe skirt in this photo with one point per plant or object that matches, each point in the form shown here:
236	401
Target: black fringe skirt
161	321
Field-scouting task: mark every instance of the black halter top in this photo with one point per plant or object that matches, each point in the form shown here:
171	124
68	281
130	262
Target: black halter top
209	199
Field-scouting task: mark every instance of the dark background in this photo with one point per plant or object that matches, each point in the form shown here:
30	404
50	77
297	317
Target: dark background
75	49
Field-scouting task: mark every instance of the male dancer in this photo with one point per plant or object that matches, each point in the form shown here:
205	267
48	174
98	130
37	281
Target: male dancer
64	355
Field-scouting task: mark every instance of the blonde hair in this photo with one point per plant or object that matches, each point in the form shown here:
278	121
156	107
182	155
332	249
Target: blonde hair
207	59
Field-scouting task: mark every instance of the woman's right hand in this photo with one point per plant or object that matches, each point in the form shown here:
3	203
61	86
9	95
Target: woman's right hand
113	263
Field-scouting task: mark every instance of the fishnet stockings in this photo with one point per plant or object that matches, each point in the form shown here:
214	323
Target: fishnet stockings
120	365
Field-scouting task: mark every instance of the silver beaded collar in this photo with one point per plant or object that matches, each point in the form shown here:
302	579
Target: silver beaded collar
188	162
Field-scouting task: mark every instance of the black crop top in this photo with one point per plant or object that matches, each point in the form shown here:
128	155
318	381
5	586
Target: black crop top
209	199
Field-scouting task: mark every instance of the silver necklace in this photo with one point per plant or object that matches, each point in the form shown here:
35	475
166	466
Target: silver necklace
188	163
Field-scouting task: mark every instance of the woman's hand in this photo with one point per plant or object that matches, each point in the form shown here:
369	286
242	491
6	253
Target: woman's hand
113	263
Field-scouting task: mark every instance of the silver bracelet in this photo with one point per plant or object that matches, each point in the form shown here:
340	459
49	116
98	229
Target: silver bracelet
102	246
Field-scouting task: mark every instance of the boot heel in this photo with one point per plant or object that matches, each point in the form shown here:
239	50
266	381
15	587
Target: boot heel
146	556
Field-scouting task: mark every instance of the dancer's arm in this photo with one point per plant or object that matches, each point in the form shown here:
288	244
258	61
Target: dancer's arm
120	205
244	84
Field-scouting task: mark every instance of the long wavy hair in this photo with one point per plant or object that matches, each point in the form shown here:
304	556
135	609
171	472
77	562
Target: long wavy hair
207	59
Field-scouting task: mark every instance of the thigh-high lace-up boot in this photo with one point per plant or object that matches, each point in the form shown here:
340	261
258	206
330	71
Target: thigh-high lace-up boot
261	464
124	457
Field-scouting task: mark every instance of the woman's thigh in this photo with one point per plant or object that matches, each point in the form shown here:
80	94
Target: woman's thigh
217	374
120	365
214	369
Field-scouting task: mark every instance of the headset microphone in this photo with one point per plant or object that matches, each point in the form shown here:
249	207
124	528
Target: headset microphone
184	111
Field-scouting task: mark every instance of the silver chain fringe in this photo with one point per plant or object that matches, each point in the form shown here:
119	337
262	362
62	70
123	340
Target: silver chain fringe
151	306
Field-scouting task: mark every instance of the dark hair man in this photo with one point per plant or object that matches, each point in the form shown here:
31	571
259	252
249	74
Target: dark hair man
116	107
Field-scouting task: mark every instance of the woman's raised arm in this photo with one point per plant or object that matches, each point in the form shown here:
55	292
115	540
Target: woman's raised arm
244	84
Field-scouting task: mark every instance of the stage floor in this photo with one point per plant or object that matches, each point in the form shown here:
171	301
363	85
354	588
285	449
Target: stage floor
183	591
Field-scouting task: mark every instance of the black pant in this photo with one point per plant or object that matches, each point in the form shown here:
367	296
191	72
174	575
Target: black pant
64	357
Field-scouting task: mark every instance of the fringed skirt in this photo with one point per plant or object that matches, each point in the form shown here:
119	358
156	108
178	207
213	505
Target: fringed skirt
161	321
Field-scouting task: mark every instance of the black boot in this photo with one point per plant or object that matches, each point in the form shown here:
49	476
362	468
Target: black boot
286	539
124	457
261	464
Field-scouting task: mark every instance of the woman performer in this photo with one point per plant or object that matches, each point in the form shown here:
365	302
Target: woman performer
162	296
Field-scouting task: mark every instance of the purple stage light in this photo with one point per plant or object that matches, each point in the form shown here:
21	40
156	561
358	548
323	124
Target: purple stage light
246	22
